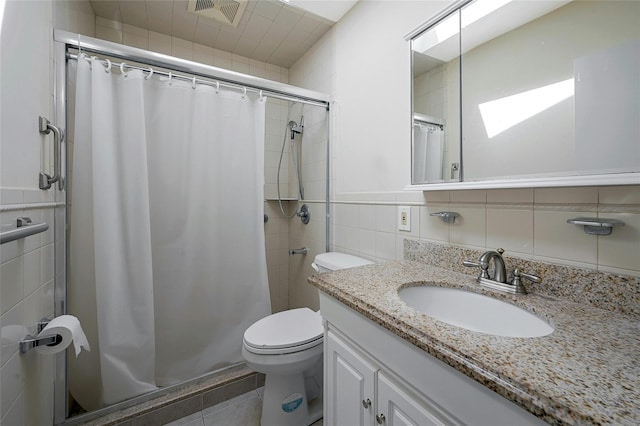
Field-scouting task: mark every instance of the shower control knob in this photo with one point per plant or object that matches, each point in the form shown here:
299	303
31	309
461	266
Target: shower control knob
366	403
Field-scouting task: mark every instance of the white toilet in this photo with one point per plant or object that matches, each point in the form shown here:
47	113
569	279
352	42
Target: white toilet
287	347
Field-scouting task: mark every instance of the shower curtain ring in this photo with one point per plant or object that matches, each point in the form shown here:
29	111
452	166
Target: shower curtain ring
108	70
170	77
150	74
124	74
193	83
244	92
217	87
260	94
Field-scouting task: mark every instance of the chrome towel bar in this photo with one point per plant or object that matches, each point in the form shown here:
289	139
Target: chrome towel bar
23	229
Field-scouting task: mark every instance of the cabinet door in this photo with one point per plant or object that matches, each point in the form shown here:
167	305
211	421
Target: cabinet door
349	388
397	408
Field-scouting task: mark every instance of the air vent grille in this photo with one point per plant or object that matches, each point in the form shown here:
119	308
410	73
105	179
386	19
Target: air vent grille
225	11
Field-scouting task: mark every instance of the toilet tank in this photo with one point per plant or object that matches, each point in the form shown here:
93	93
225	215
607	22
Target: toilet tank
325	262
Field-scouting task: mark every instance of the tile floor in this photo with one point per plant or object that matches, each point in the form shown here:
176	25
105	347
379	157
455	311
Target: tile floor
243	410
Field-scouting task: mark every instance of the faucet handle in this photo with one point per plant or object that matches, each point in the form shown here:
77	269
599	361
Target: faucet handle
517	277
484	266
501	251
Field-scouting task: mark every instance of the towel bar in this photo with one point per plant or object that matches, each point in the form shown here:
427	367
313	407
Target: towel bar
23	229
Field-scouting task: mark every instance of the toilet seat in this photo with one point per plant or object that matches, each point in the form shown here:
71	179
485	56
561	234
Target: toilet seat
285	332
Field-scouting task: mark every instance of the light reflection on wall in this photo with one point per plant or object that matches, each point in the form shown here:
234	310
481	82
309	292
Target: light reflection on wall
503	113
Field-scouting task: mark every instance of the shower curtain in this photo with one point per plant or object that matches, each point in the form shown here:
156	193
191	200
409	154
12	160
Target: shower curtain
428	146
166	241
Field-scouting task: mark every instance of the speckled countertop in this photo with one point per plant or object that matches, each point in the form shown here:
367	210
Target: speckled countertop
586	372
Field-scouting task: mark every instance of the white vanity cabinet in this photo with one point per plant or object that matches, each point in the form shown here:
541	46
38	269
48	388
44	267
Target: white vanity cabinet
349	384
360	393
373	377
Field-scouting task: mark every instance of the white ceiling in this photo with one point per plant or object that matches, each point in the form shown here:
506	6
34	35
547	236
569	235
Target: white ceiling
269	31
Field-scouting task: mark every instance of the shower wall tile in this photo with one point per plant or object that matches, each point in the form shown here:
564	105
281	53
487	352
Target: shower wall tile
134	40
133	30
109	23
74	16
109	34
203	54
221	59
160	43
181	48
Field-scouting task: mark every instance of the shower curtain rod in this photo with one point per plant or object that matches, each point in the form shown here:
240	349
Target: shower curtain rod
193	80
224	77
428	124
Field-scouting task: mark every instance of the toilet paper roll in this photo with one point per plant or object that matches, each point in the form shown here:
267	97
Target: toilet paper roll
68	327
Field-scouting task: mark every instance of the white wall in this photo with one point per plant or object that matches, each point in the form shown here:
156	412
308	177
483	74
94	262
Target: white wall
364	63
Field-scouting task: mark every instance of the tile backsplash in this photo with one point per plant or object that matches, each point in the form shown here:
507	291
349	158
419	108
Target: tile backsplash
527	223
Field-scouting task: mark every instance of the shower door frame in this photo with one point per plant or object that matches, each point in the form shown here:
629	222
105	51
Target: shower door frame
62	42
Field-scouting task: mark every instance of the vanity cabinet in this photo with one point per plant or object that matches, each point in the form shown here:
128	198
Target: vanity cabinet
361	393
373	377
349	384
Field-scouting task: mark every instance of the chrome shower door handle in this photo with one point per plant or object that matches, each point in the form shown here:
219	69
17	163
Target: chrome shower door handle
46	181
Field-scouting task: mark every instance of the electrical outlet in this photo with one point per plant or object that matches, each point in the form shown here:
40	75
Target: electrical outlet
404	218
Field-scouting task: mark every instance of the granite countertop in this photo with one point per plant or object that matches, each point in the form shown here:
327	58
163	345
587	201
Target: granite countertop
586	372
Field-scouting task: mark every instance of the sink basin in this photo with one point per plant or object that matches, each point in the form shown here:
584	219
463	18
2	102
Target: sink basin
474	311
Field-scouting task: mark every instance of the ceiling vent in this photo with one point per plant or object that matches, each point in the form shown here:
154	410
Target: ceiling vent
225	11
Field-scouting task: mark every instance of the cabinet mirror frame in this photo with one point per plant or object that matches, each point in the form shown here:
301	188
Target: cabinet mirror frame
596	179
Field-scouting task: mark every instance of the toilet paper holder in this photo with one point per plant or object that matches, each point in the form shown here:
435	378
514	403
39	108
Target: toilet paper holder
30	342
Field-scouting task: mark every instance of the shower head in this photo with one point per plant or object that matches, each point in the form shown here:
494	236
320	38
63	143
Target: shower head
293	126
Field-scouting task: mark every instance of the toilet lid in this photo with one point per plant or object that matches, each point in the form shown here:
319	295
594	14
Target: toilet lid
285	329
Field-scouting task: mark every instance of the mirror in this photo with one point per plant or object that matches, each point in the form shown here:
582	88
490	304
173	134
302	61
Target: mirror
545	89
436	140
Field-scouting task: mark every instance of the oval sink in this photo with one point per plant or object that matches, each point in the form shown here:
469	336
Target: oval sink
474	311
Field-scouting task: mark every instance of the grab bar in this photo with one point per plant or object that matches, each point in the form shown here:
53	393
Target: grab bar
23	229
46	181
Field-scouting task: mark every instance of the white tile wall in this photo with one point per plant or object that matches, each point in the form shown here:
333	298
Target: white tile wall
527	223
27	265
26	296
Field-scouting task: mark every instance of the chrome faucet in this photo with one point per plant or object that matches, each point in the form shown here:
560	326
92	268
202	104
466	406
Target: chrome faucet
500	274
499	280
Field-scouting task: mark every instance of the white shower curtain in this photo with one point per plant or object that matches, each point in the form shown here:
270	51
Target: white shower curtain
428	153
167	224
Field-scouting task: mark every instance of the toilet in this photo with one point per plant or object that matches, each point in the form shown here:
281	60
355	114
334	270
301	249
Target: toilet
287	348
